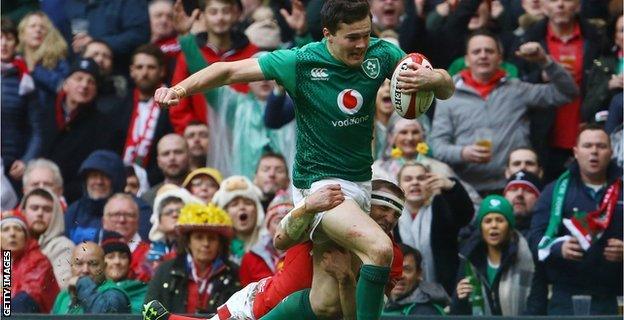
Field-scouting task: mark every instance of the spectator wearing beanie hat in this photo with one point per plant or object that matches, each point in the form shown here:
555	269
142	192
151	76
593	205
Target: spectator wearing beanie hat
33	286
263	259
496	264
88	290
522	191
117	258
241	199
169	200
203	183
70	117
201	277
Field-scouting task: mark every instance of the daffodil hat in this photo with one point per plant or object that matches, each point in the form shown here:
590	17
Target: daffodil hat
200	217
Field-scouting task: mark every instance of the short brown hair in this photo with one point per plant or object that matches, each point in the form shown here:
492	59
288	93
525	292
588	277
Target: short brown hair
412	164
592	127
486	33
523	148
38	192
275	155
8	27
150	50
204	3
335	12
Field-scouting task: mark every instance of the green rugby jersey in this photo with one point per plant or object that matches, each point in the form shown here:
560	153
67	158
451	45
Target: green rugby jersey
334	107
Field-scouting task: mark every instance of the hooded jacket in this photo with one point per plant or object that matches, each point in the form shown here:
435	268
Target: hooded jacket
84	217
32	273
53	242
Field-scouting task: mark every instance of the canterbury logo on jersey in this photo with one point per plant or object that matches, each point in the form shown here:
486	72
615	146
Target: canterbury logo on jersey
319	74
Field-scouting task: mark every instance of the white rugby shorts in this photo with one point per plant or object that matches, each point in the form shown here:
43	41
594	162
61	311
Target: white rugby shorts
360	192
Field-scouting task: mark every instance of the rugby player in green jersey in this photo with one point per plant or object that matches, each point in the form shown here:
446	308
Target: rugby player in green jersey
333	83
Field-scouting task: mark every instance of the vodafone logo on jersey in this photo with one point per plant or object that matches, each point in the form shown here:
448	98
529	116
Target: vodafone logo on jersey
350	101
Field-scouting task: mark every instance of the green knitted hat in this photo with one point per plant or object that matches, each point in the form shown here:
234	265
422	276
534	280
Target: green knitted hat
496	204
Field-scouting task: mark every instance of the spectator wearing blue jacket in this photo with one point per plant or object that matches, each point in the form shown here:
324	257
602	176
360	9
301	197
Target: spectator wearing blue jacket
44	51
123	24
103	174
20	112
577	228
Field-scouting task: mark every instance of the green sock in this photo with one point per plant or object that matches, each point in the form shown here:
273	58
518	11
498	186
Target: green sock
295	306
369	291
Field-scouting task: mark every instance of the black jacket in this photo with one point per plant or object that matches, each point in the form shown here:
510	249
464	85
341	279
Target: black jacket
475	253
593	274
170	285
452	210
69	146
597	94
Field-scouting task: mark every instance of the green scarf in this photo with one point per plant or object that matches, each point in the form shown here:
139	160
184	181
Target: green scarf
556	213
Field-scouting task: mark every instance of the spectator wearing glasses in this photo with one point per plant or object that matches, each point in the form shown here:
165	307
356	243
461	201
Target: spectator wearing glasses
203	183
103	175
169	201
121	214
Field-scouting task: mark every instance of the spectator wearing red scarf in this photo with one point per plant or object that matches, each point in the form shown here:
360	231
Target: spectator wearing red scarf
486	98
20	112
200	278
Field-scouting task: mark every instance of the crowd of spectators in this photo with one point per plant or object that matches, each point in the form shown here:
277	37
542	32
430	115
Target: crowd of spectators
513	186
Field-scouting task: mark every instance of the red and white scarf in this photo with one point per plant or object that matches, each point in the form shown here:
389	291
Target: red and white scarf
587	227
26	84
140	134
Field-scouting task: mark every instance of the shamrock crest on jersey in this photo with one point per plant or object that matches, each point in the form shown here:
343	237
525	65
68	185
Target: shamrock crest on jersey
371	67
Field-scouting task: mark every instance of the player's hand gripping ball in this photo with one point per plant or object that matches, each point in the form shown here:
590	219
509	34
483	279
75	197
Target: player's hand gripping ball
410	105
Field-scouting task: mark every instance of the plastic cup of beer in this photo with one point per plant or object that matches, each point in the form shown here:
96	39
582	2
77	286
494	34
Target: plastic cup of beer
620	302
581	305
79	25
483	137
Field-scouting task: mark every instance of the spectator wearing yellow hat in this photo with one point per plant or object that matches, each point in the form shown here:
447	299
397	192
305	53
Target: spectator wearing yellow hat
203	183
200	278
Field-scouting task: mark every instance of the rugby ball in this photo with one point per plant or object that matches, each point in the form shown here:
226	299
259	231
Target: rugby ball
410	106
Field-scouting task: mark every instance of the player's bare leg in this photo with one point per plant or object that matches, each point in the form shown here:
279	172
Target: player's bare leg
354	230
